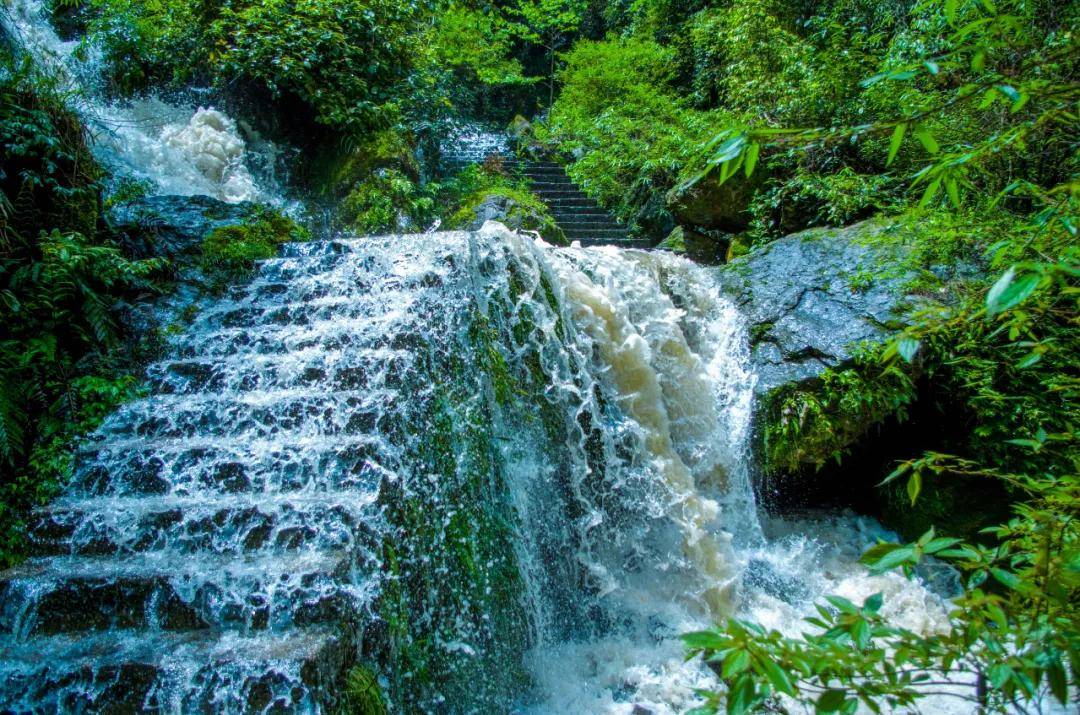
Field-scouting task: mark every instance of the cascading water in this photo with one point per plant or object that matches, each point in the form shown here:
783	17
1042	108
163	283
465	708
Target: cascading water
508	474
179	150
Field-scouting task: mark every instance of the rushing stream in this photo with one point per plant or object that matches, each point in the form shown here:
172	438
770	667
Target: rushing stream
502	475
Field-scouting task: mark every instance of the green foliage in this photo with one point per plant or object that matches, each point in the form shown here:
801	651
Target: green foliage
348	64
231	251
619	113
813	424
1013	632
362	694
478	44
1016	79
59	281
461	195
387	201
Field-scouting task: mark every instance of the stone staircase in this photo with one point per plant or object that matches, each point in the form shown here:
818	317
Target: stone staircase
578	215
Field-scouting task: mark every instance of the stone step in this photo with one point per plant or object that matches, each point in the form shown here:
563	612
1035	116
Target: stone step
166	590
340	370
589	225
557	203
556	192
139	671
255	415
212	468
372	332
226	525
547	176
597	233
624	243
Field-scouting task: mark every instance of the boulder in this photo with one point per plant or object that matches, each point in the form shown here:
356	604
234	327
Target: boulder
172	226
706	248
811	297
708	204
509	212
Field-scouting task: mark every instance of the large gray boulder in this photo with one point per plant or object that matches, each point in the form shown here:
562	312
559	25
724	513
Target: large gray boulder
811	297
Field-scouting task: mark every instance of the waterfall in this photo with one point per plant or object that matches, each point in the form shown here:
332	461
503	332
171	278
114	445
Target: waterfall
178	149
509	474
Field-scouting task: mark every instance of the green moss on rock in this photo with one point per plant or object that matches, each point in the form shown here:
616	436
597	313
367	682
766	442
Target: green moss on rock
230	251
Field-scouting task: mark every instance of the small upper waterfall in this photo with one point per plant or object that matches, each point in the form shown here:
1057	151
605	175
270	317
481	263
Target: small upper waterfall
178	149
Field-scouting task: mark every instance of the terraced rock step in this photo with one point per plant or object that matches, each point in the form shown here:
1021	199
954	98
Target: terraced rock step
213	551
127	670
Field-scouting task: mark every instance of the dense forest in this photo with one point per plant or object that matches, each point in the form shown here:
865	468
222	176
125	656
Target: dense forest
945	133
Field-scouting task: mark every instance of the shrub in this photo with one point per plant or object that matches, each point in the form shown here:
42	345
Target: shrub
387	201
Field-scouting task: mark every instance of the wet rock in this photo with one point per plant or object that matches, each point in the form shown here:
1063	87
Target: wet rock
513	215
709	248
172	226
811	297
709	204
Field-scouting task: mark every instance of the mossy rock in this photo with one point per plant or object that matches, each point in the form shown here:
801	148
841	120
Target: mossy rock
517	209
336	170
232	250
709	204
698	247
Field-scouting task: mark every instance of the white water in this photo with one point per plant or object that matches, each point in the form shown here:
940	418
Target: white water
179	149
676	353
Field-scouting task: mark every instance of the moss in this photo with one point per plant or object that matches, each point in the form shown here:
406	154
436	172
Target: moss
524	210
337	170
452	581
758	331
808	425
231	251
387	200
361	694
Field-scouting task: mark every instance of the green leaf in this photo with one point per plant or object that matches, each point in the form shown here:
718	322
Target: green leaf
896	473
926	138
1059	686
938	545
1009	291
953	190
914	487
860	633
705	640
930	192
842	604
950	11
778	678
1006	578
830	701
735	663
882	561
999	674
873	603
896	141
752	153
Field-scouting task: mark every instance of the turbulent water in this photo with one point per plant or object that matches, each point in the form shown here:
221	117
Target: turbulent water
503	476
178	149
